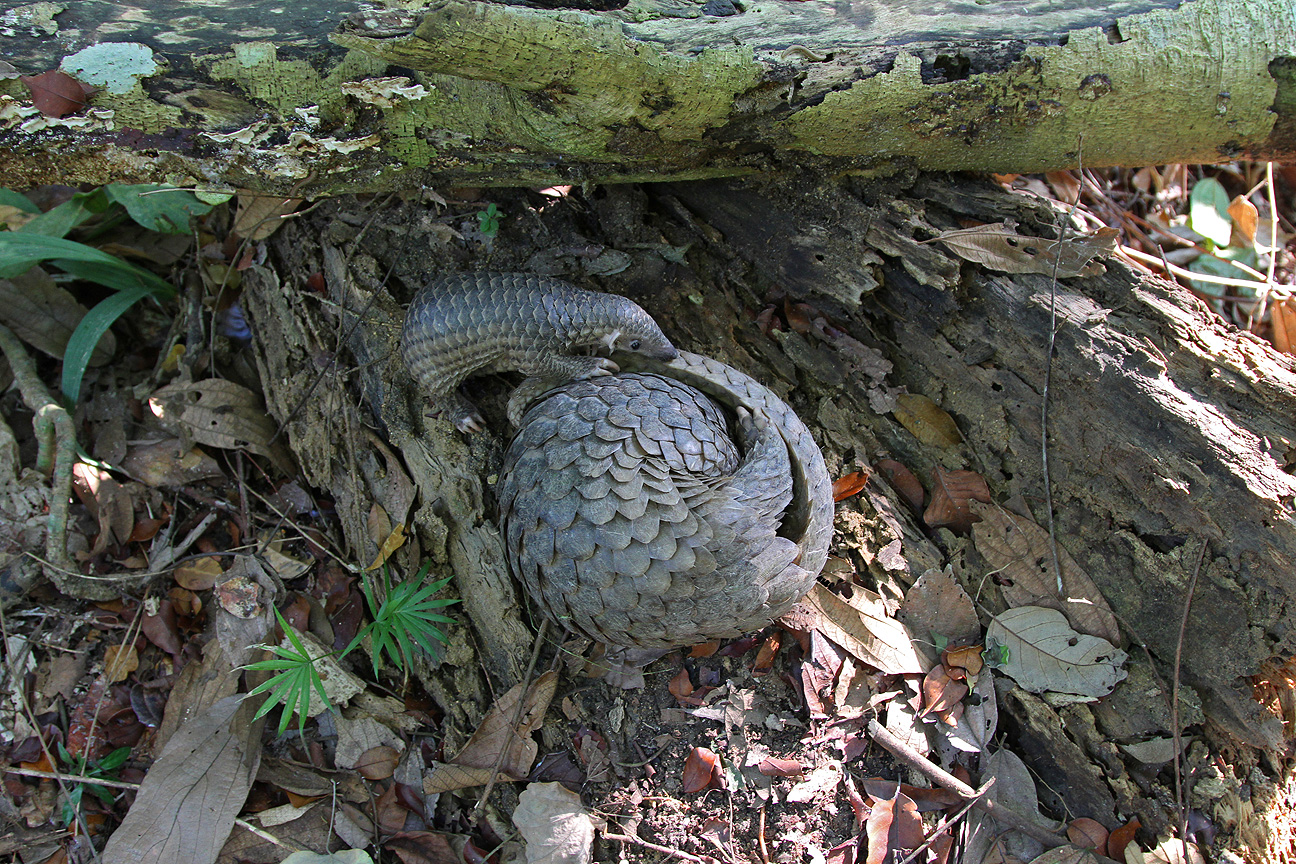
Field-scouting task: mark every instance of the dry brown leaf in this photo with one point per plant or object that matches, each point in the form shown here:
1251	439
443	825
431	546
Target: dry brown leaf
942	696
472	765
936	605
1088	834
1019	551
927	421
967	657
1066	186
555	825
108	501
1245	216
903	481
893	825
936	798
377	763
119	662
1282	314
1122	837
57	94
258	215
394	541
701	771
199	574
862	627
952	495
43	314
681	687
998	246
169	463
422	847
222	414
186	806
851	484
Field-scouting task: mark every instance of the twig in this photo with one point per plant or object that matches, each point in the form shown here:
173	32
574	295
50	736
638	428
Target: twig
1180	802
950	822
72	778
517	719
1048	381
665	850
1001	812
760	837
1145	258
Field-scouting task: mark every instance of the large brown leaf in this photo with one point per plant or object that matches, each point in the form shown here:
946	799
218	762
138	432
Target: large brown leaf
187	804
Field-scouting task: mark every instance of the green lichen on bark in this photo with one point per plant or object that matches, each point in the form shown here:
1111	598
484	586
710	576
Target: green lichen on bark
568	83
1071	89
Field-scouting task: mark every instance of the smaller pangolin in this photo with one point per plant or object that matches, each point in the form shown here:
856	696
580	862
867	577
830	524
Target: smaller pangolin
465	324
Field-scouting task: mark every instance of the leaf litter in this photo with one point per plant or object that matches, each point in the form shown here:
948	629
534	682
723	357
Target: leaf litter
786	727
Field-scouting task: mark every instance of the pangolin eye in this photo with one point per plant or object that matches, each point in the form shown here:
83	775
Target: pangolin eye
634	344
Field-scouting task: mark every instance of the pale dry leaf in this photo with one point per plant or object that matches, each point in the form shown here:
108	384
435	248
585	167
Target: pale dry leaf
472	765
221	414
119	662
1156	751
186	806
1174	851
927	421
43	314
258	215
1069	855
935	606
108	501
998	246
283	814
862	627
555	825
976	728
1018	550
1245	217
818	784
1045	654
344	856
169	463
358	734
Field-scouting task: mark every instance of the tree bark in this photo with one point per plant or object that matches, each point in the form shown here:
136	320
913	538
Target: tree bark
481	93
1168	428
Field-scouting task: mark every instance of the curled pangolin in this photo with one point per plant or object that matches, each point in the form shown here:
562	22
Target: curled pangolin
628	511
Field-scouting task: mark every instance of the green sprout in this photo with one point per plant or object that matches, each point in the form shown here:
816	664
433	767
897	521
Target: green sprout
488	221
101	769
402	622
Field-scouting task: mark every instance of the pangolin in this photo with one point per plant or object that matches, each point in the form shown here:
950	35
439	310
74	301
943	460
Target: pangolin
627	509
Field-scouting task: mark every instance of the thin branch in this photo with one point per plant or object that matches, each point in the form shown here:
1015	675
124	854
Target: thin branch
1180	802
1002	813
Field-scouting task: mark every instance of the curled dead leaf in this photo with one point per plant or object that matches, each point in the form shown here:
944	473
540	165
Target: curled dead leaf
701	770
952	495
377	763
850	484
1088	834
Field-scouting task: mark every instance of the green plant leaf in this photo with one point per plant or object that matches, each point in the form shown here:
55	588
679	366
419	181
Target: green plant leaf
114	760
1208	211
166	209
68	215
87	334
19	251
404	619
16	199
291	687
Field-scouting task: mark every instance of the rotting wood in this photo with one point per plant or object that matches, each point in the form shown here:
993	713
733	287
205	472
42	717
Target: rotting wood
1170	427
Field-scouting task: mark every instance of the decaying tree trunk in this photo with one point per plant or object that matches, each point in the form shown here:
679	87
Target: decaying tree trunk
1168	428
479	93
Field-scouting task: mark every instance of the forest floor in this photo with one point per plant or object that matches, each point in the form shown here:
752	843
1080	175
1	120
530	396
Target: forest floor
845	733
